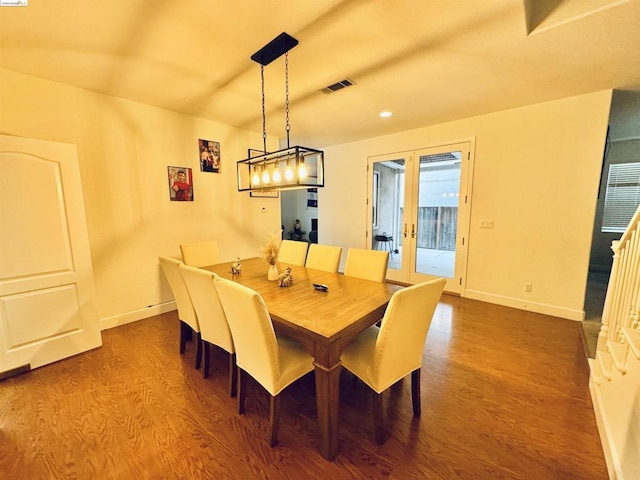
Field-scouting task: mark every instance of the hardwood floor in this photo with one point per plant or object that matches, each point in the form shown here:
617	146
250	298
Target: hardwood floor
504	396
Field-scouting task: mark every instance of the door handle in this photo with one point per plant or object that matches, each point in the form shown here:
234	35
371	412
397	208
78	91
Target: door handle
404	231
413	230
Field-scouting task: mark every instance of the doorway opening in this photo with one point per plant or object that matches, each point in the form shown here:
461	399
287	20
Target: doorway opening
299	214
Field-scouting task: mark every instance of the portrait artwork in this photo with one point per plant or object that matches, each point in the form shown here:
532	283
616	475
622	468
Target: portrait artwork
180	184
209	156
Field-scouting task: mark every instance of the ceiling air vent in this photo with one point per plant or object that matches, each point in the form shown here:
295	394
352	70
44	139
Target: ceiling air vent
338	86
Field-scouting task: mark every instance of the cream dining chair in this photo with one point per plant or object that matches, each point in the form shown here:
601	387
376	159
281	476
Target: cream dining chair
382	356
186	313
274	362
323	257
292	252
367	264
214	328
200	254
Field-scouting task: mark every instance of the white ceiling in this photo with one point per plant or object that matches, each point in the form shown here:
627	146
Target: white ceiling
428	61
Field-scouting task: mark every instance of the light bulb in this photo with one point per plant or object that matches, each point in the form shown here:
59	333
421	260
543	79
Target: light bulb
265	176
302	170
276	175
255	180
288	173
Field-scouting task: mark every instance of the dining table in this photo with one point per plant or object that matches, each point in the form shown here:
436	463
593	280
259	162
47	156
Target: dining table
323	321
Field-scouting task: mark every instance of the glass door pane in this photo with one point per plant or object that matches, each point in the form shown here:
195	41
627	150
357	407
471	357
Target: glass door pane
386	200
437	216
440	218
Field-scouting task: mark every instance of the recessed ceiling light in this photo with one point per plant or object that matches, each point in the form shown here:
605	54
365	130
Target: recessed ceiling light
385	114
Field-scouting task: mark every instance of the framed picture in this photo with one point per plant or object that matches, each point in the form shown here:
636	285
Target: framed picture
180	184
209	156
312	197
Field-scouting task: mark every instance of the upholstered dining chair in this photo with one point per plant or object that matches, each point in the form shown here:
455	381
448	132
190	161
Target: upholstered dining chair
200	254
382	356
273	361
367	264
292	252
323	257
186	313
214	328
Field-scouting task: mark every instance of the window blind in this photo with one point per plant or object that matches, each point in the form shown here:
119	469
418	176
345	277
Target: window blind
622	196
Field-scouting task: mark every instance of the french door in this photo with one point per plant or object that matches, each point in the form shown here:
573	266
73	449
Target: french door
419	212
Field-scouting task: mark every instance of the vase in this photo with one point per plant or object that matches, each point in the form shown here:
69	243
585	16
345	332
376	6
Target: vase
273	272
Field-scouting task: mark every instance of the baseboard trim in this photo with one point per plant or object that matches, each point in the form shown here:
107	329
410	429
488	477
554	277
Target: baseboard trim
609	456
150	311
554	310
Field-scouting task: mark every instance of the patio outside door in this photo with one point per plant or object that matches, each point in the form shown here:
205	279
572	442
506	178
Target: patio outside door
419	213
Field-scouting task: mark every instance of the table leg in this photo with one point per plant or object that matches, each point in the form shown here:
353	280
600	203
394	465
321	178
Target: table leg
328	402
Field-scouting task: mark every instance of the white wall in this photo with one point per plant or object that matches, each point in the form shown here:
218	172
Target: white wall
124	149
535	176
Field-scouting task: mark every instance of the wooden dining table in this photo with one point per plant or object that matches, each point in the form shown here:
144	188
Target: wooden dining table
324	322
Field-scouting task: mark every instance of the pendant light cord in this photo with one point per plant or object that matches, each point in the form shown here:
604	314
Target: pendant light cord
264	115
286	93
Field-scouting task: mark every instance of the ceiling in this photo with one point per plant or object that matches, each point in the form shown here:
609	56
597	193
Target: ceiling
427	61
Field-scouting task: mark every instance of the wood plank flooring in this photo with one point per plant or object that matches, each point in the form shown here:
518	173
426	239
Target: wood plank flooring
504	396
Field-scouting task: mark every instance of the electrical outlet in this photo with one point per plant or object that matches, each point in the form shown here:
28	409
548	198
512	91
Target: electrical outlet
488	224
528	287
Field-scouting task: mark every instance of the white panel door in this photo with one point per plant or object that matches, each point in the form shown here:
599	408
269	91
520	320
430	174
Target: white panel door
46	281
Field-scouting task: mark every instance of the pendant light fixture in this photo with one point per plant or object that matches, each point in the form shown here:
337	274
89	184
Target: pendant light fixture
288	169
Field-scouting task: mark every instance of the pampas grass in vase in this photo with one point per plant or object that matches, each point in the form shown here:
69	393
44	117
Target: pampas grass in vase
270	254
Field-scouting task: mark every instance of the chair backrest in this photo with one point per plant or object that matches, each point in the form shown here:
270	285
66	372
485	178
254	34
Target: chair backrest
292	252
253	335
323	257
186	313
367	264
200	254
403	332
211	318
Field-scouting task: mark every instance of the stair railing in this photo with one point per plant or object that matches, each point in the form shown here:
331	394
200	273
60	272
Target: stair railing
622	304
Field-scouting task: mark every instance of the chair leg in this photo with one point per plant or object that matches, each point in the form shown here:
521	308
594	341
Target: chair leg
233	375
207	358
415	391
378	420
183	336
274	418
242	389
198	351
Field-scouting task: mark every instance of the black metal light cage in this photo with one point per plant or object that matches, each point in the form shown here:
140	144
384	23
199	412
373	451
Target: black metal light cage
290	160
291	168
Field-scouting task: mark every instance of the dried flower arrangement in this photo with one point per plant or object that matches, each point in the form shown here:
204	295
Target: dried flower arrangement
271	248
